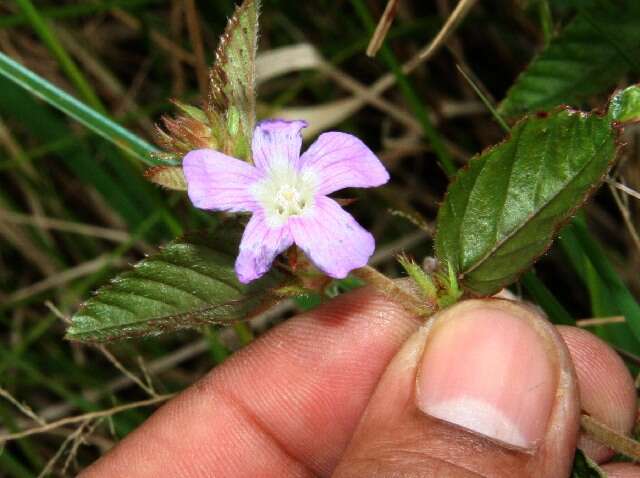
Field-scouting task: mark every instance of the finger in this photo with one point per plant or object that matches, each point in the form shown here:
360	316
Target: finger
485	389
621	470
607	391
284	406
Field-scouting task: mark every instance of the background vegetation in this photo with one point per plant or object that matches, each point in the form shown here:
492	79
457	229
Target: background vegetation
75	209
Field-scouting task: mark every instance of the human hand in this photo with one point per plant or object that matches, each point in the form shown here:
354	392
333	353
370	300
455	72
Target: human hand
350	389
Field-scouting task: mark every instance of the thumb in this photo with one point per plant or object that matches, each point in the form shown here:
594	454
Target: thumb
486	388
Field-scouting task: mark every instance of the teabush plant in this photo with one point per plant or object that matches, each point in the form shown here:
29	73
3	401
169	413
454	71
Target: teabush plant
499	215
279	234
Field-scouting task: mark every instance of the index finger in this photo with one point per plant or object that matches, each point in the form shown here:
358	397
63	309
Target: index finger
286	405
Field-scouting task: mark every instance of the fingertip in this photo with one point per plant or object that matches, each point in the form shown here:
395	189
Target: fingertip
621	470
607	391
486	386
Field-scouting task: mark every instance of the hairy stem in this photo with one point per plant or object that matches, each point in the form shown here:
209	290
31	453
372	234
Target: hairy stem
411	301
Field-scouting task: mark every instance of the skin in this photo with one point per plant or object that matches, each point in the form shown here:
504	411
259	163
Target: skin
330	392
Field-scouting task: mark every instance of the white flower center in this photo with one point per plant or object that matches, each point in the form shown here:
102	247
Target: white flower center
284	193
289	201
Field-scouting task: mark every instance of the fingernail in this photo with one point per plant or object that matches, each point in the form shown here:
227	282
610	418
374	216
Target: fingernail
488	369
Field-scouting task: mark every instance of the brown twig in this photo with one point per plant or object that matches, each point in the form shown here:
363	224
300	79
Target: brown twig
383	28
618	319
116	363
114	235
58	454
195	34
21	406
458	14
61	278
85	417
626	215
624	188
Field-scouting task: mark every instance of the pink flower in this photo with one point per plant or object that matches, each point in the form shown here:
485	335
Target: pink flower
287	196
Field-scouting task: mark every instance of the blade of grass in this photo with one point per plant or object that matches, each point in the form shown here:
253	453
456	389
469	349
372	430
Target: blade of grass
89	117
14	467
68	66
620	294
486	101
217	350
13	356
545	299
46	126
27	447
602	302
546	20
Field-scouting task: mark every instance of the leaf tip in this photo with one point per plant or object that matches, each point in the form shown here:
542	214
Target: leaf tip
624	107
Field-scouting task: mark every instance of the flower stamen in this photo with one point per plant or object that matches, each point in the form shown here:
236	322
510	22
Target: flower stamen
285	194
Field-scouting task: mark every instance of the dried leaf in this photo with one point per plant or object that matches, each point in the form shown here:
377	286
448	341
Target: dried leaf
170	177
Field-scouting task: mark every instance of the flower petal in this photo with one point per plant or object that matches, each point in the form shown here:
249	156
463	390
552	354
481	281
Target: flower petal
219	182
332	239
341	160
260	244
277	143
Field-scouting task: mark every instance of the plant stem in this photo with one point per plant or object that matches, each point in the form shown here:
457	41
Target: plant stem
411	301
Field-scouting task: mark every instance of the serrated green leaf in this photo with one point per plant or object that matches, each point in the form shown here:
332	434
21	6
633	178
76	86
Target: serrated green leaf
232	103
228	117
585	467
597	48
189	283
503	211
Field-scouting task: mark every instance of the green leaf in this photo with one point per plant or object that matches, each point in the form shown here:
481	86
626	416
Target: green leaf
585	467
595	50
232	96
189	283
503	211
